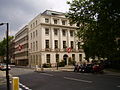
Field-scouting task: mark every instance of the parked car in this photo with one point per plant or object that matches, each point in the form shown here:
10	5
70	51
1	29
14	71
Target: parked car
97	68
3	67
88	68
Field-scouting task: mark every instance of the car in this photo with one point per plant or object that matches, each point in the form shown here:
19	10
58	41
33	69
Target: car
3	67
88	68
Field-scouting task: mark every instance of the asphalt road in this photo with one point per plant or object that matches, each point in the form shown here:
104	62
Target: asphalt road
65	80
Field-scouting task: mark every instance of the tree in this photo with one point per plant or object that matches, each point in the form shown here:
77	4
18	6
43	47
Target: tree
98	23
3	44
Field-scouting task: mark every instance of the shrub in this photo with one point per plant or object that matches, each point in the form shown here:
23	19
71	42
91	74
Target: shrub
61	64
46	65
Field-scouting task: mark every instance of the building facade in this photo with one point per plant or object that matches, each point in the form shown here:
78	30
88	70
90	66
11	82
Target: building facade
21	47
11	51
50	37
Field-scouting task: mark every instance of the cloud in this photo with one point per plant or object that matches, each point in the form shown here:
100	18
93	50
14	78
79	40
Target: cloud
19	12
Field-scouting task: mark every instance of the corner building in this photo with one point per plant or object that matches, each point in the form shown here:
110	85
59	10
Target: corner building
50	35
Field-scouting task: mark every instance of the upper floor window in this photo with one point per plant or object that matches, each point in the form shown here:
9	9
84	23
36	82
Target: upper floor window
64	44
36	33
64	32
63	22
31	35
71	44
79	45
47	43
31	26
31	46
46	20
71	33
56	44
47	31
36	45
55	31
55	21
36	22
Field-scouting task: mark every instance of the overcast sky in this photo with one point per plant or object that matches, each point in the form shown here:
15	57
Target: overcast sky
19	12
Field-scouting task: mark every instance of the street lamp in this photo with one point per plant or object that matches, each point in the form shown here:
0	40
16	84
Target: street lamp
7	55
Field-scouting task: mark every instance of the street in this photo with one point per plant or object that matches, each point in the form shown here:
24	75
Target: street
59	80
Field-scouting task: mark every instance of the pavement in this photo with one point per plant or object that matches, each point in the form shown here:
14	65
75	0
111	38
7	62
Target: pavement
71	69
2	80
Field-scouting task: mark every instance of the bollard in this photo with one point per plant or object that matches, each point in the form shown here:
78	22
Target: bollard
15	83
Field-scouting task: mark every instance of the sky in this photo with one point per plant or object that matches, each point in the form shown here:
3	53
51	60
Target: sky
18	13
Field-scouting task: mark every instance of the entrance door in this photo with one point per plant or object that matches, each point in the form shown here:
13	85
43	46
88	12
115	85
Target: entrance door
65	57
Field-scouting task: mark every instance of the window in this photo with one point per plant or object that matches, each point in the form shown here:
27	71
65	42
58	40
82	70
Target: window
64	32
31	35
36	45
33	46
47	43
37	59
57	57
79	45
73	57
64	44
56	44
46	20
47	31
36	22
48	58
36	33
63	22
55	31
80	57
31	25
71	33
55	21
71	44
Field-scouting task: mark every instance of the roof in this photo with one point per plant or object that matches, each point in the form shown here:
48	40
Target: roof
50	12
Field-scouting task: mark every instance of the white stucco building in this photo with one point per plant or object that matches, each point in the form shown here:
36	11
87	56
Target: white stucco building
50	34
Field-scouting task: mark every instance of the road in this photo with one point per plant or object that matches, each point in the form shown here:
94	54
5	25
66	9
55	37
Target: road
59	80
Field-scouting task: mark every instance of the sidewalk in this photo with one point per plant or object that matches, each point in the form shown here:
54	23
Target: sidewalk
107	72
2	80
71	69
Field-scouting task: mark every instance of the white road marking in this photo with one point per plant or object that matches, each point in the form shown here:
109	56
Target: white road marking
47	74
20	84
78	80
24	86
118	86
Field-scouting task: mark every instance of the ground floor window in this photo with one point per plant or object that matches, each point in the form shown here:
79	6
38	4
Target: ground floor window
57	57
73	57
80	57
48	58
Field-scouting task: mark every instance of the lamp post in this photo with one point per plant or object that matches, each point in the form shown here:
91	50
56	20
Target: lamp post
7	55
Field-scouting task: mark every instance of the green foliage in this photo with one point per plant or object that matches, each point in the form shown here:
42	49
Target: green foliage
61	64
3	45
98	24
71	62
46	65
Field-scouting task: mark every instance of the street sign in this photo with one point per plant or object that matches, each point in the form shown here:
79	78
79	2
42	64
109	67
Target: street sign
20	47
68	50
